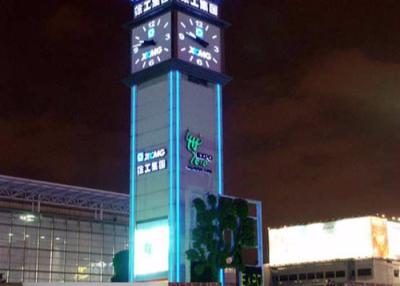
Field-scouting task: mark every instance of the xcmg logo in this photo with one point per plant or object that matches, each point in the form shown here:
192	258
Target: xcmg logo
150	162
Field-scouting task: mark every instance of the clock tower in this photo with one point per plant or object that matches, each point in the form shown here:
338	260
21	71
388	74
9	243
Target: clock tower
177	75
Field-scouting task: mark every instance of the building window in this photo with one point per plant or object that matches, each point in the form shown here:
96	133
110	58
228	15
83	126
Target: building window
310	276
293	277
396	273
340	274
302	276
43	249
330	274
5	235
283	278
364	272
320	275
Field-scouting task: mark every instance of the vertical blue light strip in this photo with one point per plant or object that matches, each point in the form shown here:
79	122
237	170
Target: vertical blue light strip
132	184
260	245
178	179
220	160
222	277
171	173
220	150
260	235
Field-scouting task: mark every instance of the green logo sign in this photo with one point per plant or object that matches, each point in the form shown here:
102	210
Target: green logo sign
199	161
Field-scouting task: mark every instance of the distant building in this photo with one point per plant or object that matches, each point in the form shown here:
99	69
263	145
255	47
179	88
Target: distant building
354	251
58	233
373	271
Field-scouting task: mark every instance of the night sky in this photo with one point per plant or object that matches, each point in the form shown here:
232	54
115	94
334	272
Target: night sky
311	119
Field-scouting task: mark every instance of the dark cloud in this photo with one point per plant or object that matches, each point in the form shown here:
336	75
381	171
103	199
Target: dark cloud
68	22
329	149
47	149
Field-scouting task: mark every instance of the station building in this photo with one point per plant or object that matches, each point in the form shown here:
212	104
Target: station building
354	251
59	233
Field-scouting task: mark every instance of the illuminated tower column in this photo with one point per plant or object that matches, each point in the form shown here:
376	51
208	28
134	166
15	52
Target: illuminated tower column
176	144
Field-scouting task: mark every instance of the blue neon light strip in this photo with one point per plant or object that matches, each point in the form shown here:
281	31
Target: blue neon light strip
260	235
222	277
171	169
220	160
132	184
220	155
178	179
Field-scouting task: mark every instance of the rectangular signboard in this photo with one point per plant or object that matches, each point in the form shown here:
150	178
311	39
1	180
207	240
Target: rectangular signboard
348	238
144	7
151	249
364	237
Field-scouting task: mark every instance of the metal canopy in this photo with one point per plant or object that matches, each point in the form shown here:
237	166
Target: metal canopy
46	193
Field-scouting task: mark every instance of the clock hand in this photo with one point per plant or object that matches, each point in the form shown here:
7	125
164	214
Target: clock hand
191	35
147	43
202	42
198	40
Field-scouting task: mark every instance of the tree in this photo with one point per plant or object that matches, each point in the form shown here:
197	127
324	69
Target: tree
222	230
121	267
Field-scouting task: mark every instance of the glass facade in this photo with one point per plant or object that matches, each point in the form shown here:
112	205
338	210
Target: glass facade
41	248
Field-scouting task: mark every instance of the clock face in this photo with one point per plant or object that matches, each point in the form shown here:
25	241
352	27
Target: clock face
199	42
151	43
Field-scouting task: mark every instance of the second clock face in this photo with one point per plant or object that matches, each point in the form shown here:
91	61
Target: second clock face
199	42
151	43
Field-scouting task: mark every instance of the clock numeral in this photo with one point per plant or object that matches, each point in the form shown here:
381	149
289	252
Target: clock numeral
151	62
181	36
199	62
199	24
216	49
167	36
135	50
152	24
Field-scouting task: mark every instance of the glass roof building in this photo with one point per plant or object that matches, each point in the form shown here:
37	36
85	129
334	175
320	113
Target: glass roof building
59	233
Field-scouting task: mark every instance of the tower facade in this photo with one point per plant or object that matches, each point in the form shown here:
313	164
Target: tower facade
176	129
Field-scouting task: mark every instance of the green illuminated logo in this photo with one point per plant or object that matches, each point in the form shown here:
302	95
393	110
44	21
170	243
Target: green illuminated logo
199	161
